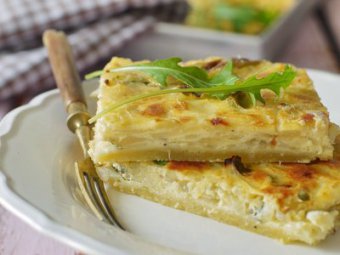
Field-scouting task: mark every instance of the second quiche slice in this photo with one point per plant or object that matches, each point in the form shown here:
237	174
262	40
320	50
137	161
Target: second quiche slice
289	201
294	127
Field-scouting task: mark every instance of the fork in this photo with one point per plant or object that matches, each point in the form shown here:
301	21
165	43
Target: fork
68	82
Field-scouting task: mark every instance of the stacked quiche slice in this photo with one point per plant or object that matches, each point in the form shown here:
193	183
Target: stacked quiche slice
247	143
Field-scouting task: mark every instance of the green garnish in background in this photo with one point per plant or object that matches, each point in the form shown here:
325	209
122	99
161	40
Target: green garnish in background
221	85
240	16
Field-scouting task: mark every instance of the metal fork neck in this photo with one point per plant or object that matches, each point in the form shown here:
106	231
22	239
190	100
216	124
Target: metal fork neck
77	122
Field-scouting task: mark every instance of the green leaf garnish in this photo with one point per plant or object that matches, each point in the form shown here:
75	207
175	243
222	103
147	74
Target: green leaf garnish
160	70
240	16
274	81
192	76
94	74
225	76
221	85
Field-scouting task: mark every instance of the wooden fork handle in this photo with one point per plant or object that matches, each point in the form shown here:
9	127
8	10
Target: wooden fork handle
64	69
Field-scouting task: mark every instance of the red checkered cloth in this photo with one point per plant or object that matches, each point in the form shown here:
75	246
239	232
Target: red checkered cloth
96	28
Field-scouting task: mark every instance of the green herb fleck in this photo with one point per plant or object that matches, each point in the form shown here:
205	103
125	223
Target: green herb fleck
160	162
303	195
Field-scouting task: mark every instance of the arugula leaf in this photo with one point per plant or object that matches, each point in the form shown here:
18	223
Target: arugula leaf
160	70
93	74
192	76
225	76
274	82
252	85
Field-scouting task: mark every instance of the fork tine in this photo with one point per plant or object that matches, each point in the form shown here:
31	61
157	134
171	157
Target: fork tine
104	202
85	187
94	193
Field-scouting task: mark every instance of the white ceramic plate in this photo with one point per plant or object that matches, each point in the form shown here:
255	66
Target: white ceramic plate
36	183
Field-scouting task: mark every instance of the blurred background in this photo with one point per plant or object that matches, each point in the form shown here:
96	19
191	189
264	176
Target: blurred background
302	32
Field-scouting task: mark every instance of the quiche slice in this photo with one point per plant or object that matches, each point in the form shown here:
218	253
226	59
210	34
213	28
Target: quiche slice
191	127
288	201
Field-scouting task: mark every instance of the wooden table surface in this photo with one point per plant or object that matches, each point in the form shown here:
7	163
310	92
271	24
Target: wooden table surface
308	48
